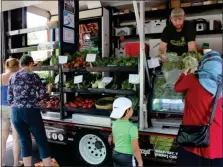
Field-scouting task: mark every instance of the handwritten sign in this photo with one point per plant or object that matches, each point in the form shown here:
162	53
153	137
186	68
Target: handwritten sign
134	78
78	79
91	58
63	59
107	79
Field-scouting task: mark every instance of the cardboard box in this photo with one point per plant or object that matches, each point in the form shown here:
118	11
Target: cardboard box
186	4
210	2
175	3
154	26
159	7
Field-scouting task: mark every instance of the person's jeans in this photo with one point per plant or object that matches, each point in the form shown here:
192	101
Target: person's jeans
120	159
26	120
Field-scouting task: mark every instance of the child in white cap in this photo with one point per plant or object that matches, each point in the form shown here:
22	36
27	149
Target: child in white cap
124	135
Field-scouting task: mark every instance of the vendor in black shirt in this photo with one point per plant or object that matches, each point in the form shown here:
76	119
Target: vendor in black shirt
179	36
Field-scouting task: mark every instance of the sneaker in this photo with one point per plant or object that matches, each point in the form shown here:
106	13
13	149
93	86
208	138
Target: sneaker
20	164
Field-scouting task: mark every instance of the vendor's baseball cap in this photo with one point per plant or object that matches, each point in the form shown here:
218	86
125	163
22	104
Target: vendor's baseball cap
177	12
120	105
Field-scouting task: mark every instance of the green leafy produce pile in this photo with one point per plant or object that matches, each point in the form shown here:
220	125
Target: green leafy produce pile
163	90
187	60
159	87
121	61
84	84
125	61
194	54
127	85
172	62
102	62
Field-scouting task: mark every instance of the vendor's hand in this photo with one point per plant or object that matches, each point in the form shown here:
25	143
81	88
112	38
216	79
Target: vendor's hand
186	71
163	58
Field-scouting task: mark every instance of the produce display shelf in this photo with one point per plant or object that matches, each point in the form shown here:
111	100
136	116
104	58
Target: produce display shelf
102	69
50	109
51	25
166	115
113	69
77	70
152	13
209	32
91	111
162	13
54	45
158	35
101	91
46	68
152	35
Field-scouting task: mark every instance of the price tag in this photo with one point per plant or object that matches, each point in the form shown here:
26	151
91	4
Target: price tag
107	80
56	79
134	78
45	46
153	63
78	79
41	46
63	59
91	58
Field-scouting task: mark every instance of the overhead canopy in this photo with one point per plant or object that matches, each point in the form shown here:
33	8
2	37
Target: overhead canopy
52	6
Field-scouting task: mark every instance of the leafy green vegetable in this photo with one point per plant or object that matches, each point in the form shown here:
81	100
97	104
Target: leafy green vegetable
46	62
127	85
54	60
172	62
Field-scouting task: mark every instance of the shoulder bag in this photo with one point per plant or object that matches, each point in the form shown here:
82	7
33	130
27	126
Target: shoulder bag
197	135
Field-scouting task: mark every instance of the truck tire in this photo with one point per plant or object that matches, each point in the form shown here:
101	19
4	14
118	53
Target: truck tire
91	148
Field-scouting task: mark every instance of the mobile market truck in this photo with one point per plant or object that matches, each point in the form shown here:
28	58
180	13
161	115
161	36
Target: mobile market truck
87	77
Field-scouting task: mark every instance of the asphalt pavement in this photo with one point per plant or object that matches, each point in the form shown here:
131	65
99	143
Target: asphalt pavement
61	153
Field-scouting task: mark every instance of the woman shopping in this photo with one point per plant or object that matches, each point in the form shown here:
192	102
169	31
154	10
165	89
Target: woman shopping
201	91
11	66
24	86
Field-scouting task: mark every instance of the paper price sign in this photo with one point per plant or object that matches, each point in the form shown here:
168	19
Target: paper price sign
107	79
63	59
56	79
78	79
91	58
43	46
153	63
134	78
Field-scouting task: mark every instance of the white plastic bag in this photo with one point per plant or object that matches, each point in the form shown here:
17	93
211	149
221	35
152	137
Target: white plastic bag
172	76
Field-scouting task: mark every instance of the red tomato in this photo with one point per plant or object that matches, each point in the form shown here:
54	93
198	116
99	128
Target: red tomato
89	105
85	106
